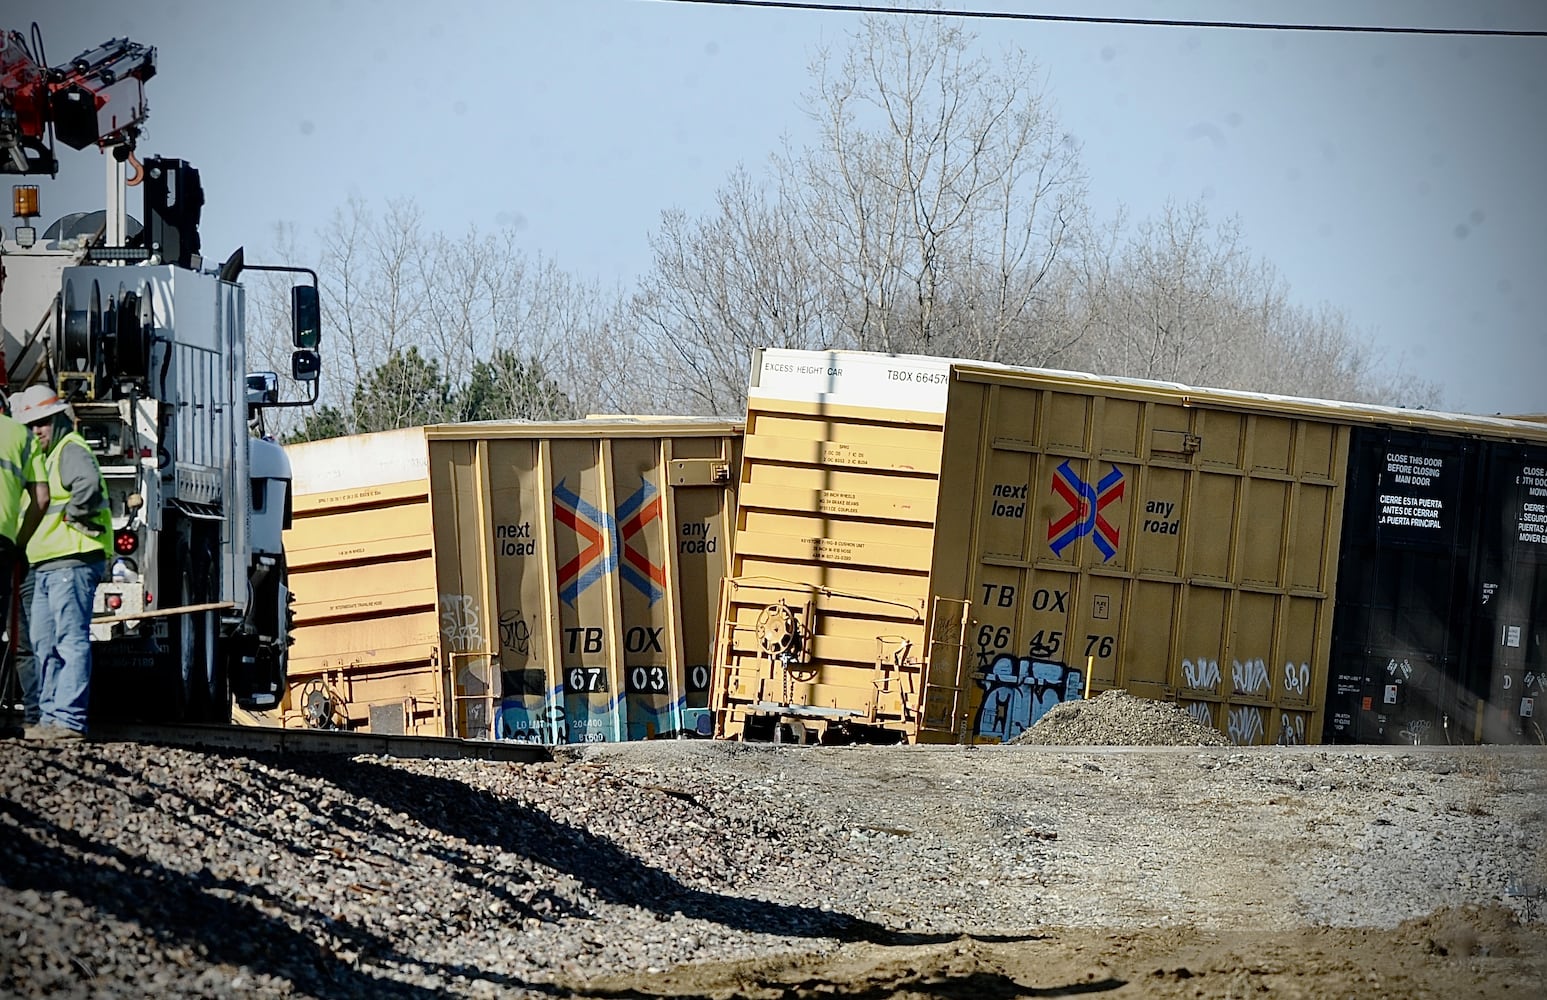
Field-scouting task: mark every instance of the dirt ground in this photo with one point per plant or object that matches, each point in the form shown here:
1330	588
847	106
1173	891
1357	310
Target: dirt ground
1228	940
1468	952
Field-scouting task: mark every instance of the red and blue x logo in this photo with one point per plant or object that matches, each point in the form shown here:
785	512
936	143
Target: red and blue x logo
642	507
592	528
600	539
1085	505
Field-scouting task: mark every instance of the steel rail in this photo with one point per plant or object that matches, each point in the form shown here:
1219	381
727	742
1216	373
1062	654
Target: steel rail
264	739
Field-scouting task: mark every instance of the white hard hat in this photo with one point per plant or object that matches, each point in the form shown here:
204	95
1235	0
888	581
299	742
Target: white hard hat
35	403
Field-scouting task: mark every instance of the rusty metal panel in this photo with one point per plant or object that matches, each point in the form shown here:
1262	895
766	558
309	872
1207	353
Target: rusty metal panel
541	582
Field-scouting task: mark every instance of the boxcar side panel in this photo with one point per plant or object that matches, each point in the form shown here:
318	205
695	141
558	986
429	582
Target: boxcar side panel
1442	597
459	485
360	554
1135	540
521	571
822	620
1507	666
700	526
529	586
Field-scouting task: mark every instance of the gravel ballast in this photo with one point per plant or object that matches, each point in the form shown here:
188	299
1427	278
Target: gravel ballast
1118	719
132	870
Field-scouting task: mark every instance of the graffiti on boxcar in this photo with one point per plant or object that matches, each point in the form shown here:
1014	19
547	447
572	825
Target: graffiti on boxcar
947	629
519	720
1415	731
1200	710
459	624
575	714
555	719
1084	516
1201	674
1250	677
1245	725
1297	678
1291	729
1019	690
515	633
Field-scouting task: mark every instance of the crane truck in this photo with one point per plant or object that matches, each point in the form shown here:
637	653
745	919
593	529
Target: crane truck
149	346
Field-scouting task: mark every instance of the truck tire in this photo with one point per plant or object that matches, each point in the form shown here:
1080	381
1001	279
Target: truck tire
195	654
217	693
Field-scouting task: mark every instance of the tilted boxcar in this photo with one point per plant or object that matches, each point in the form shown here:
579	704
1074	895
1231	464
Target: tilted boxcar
543	582
933	550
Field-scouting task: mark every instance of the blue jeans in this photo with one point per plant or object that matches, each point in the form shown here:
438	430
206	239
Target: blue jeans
61	641
26	666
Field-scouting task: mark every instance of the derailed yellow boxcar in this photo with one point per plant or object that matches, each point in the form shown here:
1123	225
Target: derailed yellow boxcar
542	582
932	550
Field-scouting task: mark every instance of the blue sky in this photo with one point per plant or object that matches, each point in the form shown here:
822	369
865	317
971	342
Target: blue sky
1401	179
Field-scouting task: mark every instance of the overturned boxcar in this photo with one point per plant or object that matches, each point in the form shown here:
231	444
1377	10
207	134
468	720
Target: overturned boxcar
544	582
938	551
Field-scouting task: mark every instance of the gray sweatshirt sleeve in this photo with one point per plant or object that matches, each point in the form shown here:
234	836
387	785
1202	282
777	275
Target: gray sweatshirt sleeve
79	474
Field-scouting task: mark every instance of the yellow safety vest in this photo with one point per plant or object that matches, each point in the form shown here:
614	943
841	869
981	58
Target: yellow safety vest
15	456
57	538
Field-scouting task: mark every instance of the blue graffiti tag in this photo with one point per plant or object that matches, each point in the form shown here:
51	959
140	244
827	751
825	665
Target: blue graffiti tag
1018	690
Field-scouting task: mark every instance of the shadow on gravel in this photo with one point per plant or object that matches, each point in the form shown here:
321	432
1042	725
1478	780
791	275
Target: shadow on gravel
224	920
611	873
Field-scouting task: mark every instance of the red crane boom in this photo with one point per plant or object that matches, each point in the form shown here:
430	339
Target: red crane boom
97	98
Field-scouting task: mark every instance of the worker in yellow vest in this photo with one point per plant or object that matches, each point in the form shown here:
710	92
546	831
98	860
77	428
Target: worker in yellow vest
71	532
15	458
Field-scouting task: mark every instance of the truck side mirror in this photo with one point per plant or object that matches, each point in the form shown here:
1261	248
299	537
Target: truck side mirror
305	317
262	388
305	365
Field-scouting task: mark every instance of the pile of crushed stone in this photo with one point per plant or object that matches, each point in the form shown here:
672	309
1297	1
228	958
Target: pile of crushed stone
1118	719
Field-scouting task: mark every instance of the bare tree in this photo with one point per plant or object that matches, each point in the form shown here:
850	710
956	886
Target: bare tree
942	194
723	286
931	216
1182	299
412	318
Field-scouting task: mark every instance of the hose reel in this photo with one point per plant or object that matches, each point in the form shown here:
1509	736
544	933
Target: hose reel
80	338
102	343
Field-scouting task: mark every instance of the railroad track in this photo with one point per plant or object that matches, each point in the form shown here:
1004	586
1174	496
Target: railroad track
272	740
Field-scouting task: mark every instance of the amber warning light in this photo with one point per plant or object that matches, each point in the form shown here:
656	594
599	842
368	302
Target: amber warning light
24	201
